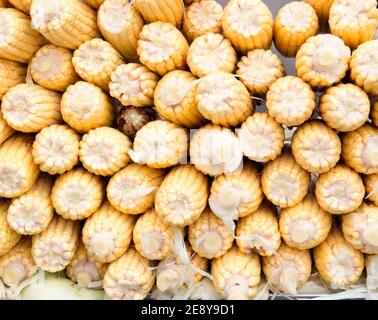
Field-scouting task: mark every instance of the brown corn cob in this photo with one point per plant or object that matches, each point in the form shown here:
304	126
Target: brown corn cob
95	4
322	8
23	5
11	74
170	11
371	185
5	130
8	237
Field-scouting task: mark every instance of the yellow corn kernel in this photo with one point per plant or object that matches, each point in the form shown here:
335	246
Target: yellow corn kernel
11	74
52	68
284	182
259	69
77	194
374	112
236	195
5	130
120	24
174	99
354	21
19	41
215	150
170	11
160	144
18	172
133	84
132	190
95	4
340	190
290	101
54	248
104	151
66	23
210	53
360	149
236	274
322	8
32	212
294	24
85	106
371	265
338	263
84	269
8	237
322	60
363	65
23	5
258	232
209	236
371	185
288	270
316	147
202	17
344	107
130	277
182	196
107	233
248	24
162	47
223	99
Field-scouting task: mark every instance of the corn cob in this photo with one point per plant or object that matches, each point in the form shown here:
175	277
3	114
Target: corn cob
182	196
322	8
107	233
322	60
284	182
77	194
215	150
8	237
130	277
316	147
236	274
66	23
371	265
338	263
54	248
23	5
85	106
210	53
305	225
120	24
132	190
160	144
30	108
236	195
95	4
162	47
5	130
374	112
294	24
11	74
170	11
340	190
202	17
18	40
18	172
52	68
354	21
371	185
261	137
226	107
258	232
32	212
360	149
288	270
133	84
290	101
363	67
204	290
344	107
175	99
259	69
209	236
4	4
84	269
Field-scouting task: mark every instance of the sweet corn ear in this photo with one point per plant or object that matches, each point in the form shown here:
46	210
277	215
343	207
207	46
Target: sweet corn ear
371	185
54	248
8	237
340	190
182	196
170	11
32	212
338	263
175	99
77	194
107	233
322	8
5	130
23	5
95	4
11	74
85	106
66	23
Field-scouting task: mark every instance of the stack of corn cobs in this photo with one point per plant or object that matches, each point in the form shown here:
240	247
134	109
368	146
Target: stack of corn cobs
131	155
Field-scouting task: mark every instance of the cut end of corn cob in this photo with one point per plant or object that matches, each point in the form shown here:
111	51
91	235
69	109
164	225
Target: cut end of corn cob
9	237
11	74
